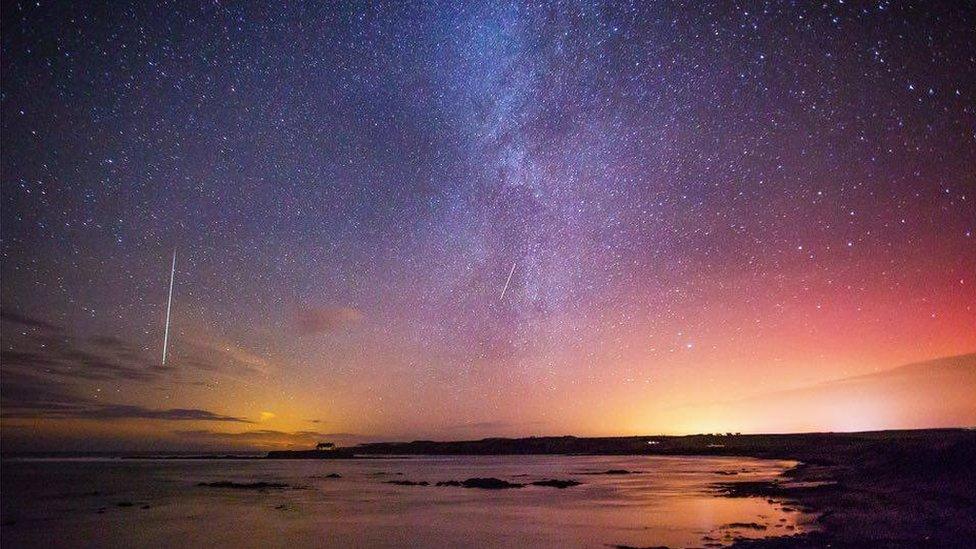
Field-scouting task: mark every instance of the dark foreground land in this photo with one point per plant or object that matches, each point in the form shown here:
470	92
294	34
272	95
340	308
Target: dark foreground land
873	489
310	454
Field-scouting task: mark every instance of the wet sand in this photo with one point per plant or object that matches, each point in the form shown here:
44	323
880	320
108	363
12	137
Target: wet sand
912	488
881	489
445	501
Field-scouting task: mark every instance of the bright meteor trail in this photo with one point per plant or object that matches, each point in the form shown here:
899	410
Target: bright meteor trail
169	305
509	279
775	193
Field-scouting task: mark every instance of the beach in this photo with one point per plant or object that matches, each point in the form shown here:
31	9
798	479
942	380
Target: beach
898	488
627	501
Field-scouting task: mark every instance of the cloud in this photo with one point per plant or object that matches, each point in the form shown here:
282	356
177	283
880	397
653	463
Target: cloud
64	361
25	391
24	320
94	410
327	319
50	374
215	355
265	438
117	411
120	411
935	393
26	395
59	355
110	358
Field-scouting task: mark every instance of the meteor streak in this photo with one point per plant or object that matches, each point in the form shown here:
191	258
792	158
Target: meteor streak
169	305
509	279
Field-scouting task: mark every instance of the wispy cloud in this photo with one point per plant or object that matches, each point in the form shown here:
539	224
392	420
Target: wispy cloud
320	320
57	354
24	320
215	355
30	396
120	411
46	372
265	438
935	393
91	410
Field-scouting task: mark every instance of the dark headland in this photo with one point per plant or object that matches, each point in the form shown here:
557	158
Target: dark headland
338	453
872	489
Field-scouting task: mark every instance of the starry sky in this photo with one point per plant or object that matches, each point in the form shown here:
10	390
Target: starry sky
453	220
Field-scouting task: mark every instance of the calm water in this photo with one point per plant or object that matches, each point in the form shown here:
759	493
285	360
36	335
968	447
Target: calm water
74	503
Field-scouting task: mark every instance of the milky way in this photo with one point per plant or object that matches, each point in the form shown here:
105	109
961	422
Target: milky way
704	201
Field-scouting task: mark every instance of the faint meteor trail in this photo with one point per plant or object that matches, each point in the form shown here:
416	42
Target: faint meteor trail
509	279
169	305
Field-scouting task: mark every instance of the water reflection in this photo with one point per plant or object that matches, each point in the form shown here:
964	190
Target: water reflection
632	501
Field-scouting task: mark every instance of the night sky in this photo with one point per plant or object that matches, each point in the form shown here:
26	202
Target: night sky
703	203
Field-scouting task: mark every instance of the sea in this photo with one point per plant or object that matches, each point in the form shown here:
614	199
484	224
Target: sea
644	502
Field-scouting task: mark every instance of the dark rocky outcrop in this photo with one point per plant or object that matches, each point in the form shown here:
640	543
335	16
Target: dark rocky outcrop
489	483
556	483
745	525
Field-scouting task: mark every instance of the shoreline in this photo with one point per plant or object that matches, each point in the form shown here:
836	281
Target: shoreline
875	489
912	494
905	488
795	488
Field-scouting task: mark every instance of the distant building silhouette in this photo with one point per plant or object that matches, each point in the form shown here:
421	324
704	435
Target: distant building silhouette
325	446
